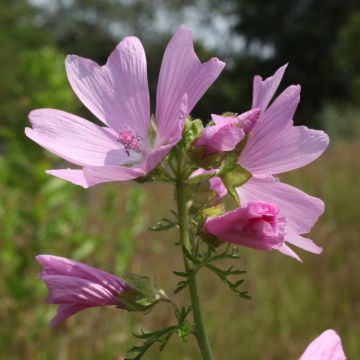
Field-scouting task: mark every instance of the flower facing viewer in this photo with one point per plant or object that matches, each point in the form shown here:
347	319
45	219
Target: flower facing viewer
118	95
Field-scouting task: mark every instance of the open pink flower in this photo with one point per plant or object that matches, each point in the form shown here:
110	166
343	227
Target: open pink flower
227	131
75	286
327	346
259	225
118	95
275	145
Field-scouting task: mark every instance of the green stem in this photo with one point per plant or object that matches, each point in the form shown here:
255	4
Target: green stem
181	197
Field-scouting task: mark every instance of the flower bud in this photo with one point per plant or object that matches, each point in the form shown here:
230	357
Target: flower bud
259	225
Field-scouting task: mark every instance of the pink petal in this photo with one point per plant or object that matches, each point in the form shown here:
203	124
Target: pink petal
69	289
284	249
219	138
72	175
93	175
75	139
223	120
271	123
264	90
289	149
116	93
218	186
157	155
99	174
325	347
181	73
56	265
303	243
301	210
65	311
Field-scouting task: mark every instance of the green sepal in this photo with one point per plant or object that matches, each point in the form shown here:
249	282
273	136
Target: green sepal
199	178
233	176
143	295
214	210
202	197
192	130
211	240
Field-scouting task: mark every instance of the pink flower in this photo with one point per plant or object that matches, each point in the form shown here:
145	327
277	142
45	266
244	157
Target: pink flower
75	286
227	131
325	347
118	95
275	145
259	225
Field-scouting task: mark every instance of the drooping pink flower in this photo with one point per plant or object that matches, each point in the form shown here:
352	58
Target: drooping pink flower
118	95
75	286
327	346
227	131
275	145
259	225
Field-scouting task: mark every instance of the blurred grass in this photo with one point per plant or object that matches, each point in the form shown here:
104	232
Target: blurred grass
291	302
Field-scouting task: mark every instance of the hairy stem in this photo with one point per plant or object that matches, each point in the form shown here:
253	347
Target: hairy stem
181	197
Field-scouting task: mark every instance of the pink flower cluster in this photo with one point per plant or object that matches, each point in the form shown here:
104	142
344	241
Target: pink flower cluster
271	214
273	145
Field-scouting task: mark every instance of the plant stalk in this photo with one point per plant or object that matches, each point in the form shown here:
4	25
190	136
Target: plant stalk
181	197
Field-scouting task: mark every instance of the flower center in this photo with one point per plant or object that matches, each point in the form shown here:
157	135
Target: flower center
131	141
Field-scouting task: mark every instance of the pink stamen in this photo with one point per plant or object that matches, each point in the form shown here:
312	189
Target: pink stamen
131	141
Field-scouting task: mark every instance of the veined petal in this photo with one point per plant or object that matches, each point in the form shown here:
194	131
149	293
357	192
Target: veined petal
68	289
74	176
303	243
289	149
158	154
181	73
264	90
57	265
278	115
75	139
99	174
93	175
66	310
117	93
301	210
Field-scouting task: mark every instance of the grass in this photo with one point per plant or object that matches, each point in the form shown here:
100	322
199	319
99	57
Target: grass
291	302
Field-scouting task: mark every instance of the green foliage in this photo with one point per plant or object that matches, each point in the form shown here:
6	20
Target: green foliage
183	329
206	260
347	55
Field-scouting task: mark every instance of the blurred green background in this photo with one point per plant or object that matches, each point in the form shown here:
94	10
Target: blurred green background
106	226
